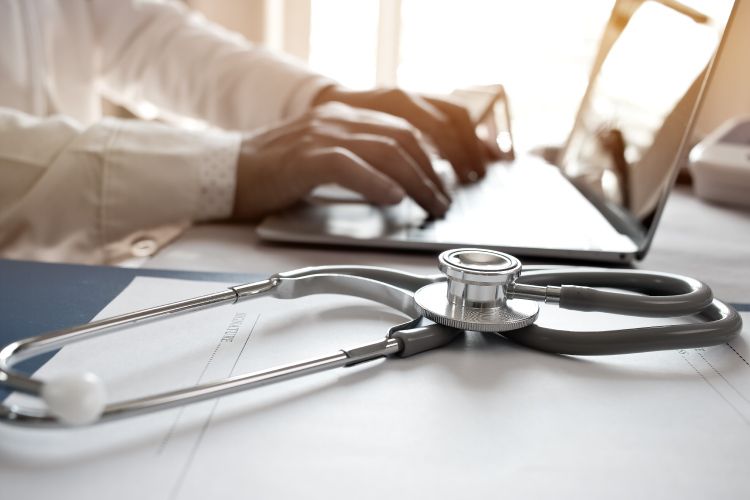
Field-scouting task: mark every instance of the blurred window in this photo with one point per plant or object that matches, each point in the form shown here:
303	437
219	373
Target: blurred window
343	40
541	50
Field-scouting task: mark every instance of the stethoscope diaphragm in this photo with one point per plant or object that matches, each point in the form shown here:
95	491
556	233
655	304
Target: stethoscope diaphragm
475	295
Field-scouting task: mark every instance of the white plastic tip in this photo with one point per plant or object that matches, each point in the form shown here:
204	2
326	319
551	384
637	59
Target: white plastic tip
76	399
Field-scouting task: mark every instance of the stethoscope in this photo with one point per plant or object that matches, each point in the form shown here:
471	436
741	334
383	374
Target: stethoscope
477	290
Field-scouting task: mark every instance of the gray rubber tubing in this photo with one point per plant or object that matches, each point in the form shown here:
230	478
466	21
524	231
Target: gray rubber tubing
720	322
667	295
424	338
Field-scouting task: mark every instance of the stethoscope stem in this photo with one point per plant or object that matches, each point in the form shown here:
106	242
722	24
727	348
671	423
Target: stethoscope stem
289	286
546	294
343	358
407	339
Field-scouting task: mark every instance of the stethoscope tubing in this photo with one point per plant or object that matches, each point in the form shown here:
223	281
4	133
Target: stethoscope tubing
668	296
658	295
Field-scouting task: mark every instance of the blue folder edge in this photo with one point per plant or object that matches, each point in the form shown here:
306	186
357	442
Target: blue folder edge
39	297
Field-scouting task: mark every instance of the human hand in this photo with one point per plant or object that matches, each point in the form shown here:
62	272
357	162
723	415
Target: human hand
375	154
446	122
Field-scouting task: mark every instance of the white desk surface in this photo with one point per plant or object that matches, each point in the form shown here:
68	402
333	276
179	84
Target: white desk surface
481	417
694	238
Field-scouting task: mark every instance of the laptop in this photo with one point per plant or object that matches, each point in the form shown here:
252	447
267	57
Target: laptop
600	198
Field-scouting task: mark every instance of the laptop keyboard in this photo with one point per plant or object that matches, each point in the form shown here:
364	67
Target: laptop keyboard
526	204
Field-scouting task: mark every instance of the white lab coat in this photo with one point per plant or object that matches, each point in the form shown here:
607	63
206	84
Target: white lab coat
79	188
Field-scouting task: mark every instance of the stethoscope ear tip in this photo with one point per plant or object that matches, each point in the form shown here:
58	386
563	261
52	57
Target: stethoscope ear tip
75	399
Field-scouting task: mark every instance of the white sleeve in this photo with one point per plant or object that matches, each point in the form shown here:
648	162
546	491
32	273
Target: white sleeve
91	194
161	53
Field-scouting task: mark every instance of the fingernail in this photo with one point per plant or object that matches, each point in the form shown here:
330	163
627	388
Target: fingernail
441	205
395	194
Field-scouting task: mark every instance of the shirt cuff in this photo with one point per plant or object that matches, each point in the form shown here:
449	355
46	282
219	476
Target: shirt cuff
302	98
218	176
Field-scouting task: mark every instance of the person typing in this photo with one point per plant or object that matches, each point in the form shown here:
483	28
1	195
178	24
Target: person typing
80	187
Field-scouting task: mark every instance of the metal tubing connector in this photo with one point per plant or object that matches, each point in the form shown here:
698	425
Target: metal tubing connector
548	294
256	289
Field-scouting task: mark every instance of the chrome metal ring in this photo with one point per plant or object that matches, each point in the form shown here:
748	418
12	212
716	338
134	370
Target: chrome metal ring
432	302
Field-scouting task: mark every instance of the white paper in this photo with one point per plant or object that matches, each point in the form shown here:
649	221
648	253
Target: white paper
480	417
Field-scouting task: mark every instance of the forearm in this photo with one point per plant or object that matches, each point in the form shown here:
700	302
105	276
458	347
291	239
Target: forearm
178	61
76	194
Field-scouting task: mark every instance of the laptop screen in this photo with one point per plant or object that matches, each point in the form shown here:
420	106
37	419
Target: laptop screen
649	72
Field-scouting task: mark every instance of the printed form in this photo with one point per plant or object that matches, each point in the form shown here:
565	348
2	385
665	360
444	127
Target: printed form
481	417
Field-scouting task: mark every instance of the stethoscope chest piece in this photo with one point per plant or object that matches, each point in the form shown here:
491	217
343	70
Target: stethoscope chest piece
475	295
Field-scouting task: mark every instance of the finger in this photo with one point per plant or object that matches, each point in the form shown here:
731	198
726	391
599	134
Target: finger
465	129
386	155
389	144
406	136
339	165
451	130
440	127
488	136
